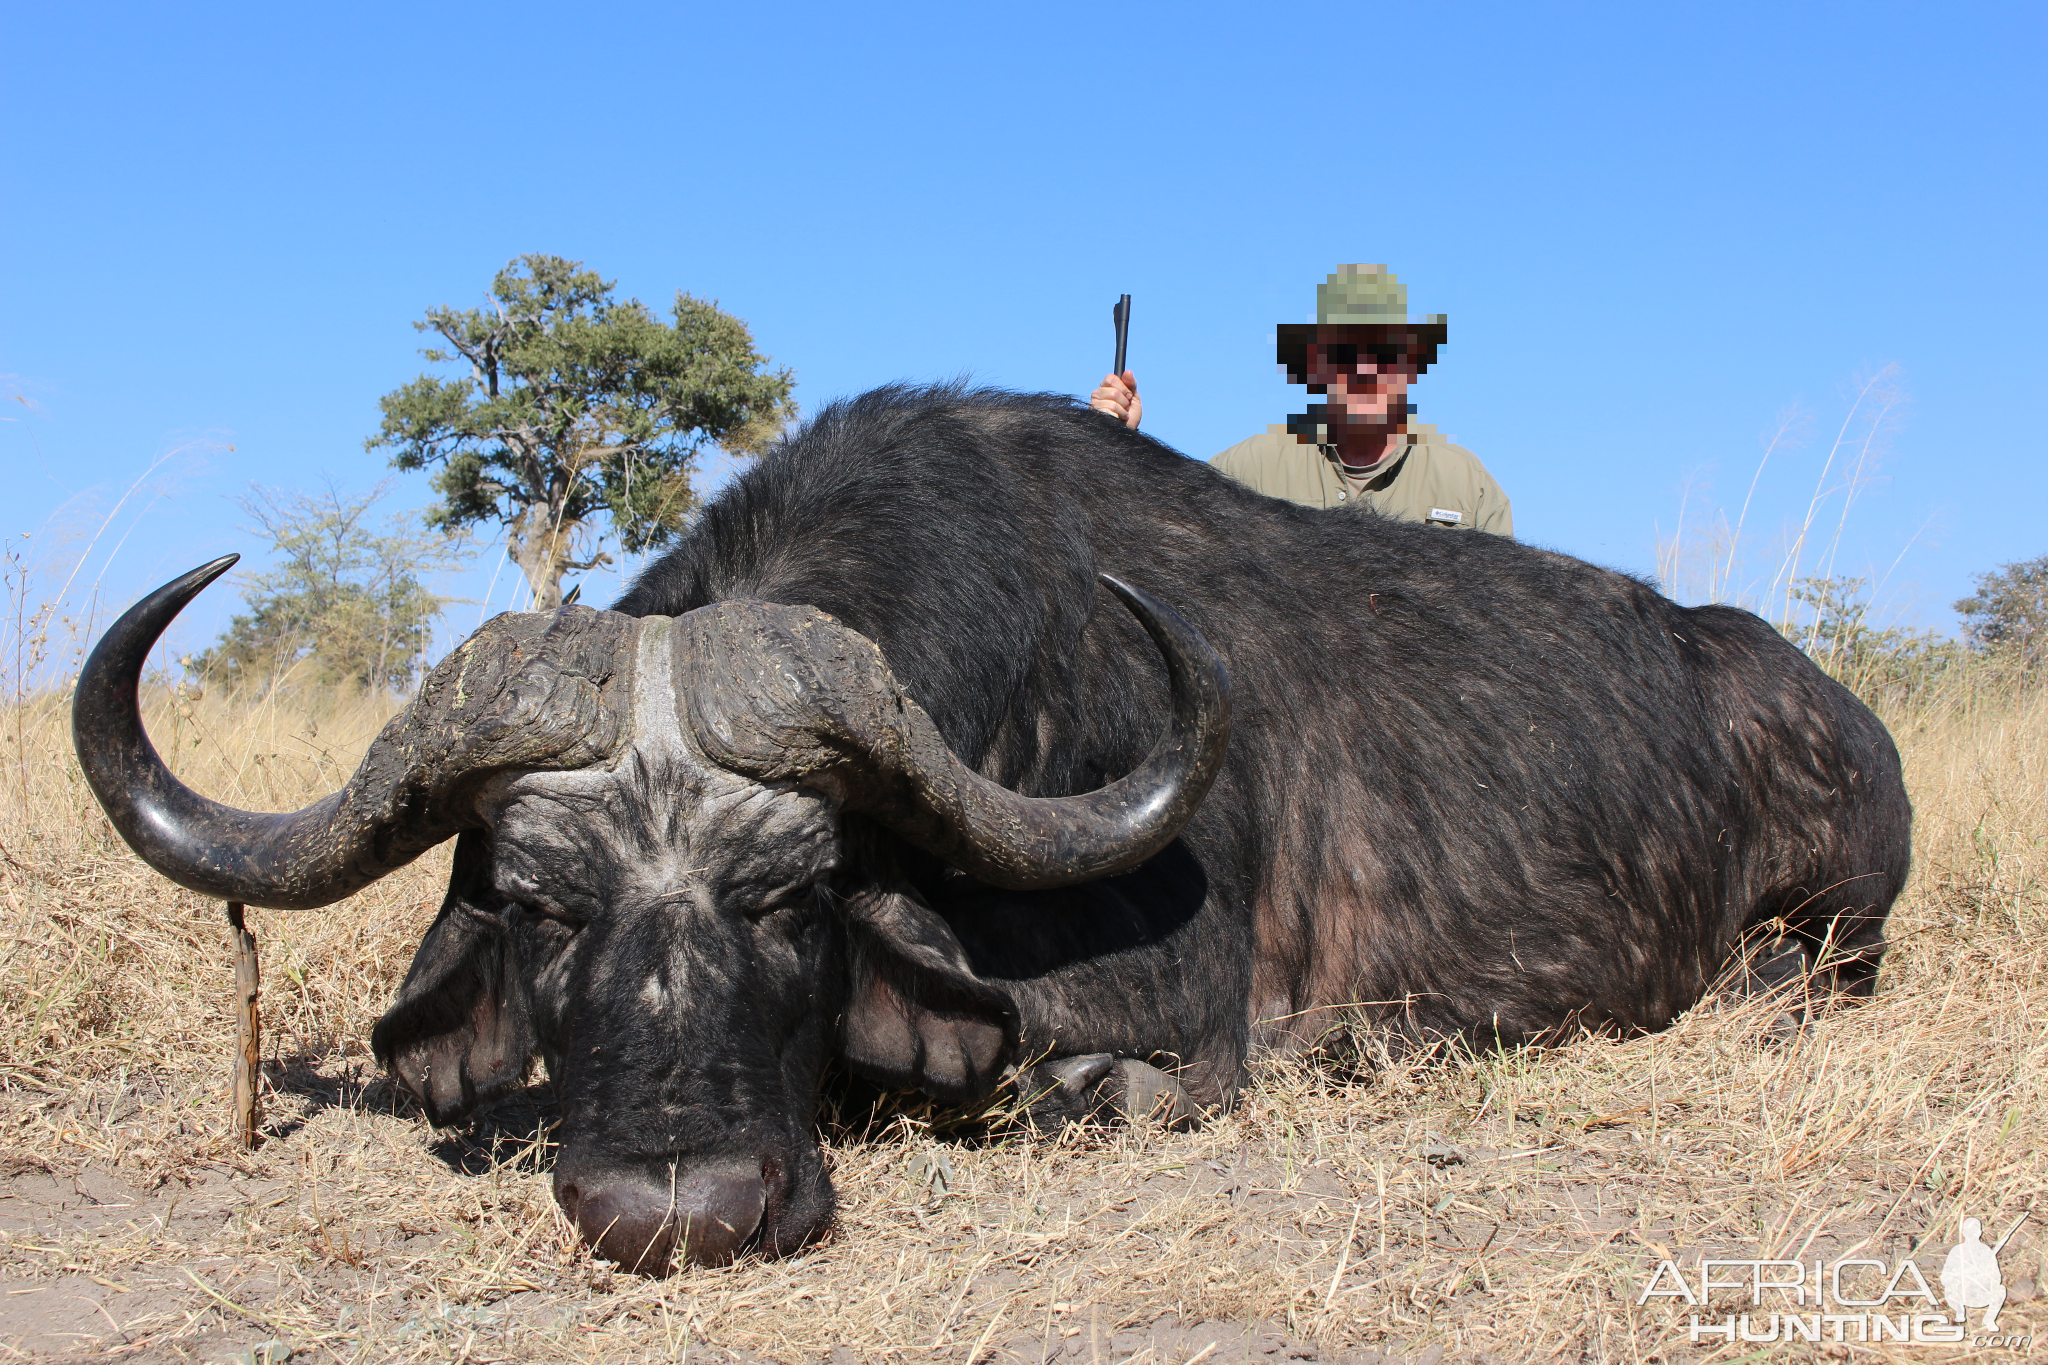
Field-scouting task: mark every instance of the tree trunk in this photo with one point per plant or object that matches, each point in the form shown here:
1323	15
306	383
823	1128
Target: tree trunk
541	550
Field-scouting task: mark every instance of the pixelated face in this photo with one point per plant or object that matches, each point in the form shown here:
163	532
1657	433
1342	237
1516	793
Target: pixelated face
1369	383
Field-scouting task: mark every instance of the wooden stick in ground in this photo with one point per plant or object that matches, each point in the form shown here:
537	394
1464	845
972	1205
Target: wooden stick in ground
247	1027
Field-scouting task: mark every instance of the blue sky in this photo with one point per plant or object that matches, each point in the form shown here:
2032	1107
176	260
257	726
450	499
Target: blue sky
1655	229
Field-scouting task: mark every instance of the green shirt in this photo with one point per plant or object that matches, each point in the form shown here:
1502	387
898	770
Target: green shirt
1434	481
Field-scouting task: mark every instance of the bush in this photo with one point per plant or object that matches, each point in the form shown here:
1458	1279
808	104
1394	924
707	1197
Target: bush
345	606
2009	613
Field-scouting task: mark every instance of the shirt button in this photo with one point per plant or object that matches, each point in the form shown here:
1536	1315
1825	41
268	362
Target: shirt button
1340	497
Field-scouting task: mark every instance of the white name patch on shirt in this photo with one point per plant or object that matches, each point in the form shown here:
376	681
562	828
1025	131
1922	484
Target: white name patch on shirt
1445	514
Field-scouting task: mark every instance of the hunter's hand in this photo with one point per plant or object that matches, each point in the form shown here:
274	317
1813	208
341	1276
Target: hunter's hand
1117	395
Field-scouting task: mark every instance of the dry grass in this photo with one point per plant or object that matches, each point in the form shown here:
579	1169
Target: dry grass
1503	1208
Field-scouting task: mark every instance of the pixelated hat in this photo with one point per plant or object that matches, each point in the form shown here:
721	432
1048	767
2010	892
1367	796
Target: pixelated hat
1362	303
1366	295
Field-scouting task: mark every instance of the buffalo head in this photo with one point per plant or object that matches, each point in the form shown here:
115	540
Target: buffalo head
673	880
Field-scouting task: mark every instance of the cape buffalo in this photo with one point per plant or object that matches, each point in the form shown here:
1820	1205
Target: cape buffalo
873	767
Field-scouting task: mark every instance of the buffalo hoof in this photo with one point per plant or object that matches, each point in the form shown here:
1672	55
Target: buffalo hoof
704	1217
1145	1094
1780	964
1100	1085
1781	969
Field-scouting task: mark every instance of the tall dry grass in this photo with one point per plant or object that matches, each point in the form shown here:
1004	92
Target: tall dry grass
1506	1207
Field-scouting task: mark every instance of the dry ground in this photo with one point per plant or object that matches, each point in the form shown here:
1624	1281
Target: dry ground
1505	1208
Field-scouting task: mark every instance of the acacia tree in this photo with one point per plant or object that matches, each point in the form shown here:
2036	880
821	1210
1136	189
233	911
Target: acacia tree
577	404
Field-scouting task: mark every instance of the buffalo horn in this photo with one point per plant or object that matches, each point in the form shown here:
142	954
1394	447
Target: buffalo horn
787	693
523	692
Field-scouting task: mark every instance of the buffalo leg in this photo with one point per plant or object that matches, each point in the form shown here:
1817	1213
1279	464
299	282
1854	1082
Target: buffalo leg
1100	1085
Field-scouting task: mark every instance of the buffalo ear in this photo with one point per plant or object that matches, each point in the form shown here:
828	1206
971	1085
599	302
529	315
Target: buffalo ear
461	1031
916	1014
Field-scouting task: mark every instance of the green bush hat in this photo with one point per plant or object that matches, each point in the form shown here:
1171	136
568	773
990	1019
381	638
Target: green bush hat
1363	305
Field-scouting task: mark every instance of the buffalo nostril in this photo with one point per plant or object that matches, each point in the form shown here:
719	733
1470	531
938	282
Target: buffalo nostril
703	1217
720	1210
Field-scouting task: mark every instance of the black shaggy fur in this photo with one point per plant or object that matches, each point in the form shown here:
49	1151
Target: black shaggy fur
1500	791
1482	790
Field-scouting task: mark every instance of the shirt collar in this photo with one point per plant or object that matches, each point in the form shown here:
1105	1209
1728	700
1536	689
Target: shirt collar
1383	475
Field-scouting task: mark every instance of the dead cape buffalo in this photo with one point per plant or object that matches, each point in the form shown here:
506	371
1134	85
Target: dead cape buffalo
874	766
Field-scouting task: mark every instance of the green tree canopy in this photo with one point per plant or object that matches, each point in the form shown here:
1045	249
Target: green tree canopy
2008	614
344	603
576	404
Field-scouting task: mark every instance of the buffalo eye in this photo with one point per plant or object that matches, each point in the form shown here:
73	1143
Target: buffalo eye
543	909
796	896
